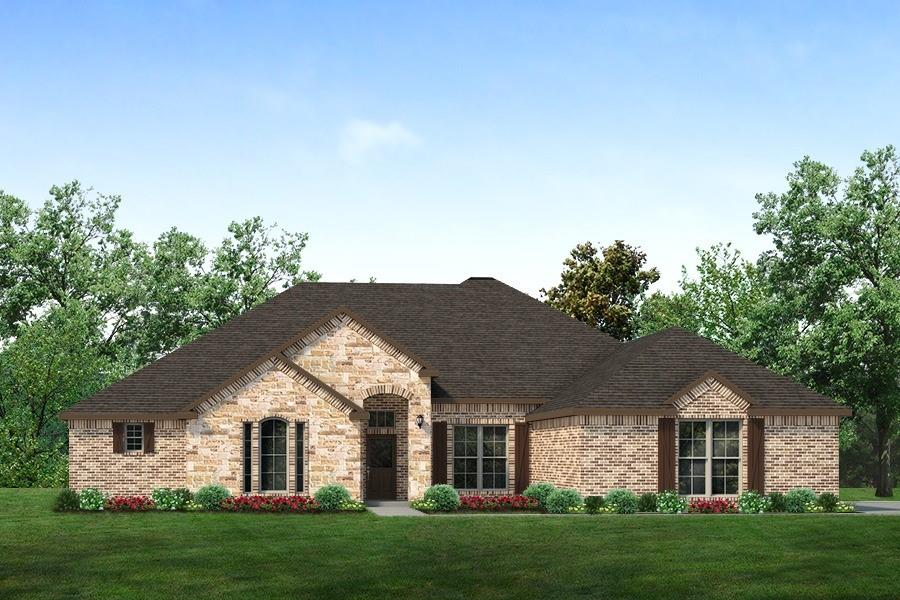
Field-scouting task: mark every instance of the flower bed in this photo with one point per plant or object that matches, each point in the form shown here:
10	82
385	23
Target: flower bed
498	503
129	503
208	498
712	505
293	504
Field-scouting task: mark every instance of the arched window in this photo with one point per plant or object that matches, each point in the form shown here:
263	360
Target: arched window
273	455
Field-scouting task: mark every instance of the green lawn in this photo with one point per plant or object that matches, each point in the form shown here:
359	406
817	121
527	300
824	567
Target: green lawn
197	555
854	494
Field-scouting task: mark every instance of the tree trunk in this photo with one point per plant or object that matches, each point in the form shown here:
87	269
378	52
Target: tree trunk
884	486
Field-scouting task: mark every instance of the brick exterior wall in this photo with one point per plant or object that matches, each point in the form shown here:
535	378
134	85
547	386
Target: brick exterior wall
802	451
499	413
92	463
401	416
595	453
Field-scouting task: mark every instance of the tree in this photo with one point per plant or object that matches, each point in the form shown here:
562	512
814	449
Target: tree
82	302
834	276
719	303
53	363
603	291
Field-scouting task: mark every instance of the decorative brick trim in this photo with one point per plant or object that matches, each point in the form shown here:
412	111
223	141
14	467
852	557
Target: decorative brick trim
805	420
714	385
595	420
107	423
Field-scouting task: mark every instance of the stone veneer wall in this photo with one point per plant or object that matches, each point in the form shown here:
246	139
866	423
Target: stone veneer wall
500	413
333	441
92	463
359	365
802	451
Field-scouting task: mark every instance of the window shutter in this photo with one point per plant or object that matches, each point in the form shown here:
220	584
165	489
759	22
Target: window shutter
522	455
438	452
118	432
756	455
666	454
298	463
149	438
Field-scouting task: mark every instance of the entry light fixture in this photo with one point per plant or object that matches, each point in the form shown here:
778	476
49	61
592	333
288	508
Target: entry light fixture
420	420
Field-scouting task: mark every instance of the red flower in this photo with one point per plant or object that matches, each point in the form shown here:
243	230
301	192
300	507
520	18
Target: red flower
712	505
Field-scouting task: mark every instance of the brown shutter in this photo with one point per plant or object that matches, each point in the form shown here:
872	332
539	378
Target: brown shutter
522	466
149	445
756	455
438	452
118	438
667	467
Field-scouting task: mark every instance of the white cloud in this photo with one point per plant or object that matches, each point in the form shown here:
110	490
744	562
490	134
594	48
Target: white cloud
361	138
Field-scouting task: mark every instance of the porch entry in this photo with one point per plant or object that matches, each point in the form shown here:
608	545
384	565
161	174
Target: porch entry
381	467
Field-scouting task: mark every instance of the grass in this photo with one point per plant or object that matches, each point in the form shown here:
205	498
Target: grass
197	555
854	494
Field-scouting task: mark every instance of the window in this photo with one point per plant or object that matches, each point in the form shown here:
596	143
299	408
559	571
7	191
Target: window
381	418
479	457
298	442
248	458
134	437
709	457
273	455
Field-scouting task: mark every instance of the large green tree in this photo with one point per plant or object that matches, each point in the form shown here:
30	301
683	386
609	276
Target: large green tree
603	288
833	318
719	302
82	302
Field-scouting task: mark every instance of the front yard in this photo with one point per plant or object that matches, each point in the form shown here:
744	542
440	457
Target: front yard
196	555
857	494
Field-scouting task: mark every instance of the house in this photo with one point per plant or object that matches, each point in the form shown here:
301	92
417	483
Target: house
389	388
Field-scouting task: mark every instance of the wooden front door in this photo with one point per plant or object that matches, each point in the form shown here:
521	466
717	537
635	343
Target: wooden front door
381	464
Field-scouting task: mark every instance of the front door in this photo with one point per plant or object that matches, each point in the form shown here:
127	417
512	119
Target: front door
381	482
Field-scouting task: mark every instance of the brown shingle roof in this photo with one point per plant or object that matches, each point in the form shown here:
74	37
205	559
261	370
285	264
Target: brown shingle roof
484	339
648	373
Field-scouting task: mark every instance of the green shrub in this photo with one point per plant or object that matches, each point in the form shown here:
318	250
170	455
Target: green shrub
352	506
330	497
626	502
796	500
647	502
210	496
540	492
670	502
563	501
776	502
828	502
91	499
844	507
443	496
184	495
167	499
593	504
67	500
752	502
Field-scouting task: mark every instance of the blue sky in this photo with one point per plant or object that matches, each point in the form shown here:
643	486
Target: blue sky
434	141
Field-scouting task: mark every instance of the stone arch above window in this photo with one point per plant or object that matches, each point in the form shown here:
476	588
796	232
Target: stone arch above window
390	389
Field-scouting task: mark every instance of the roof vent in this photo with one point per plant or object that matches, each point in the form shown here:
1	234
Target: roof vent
479	279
